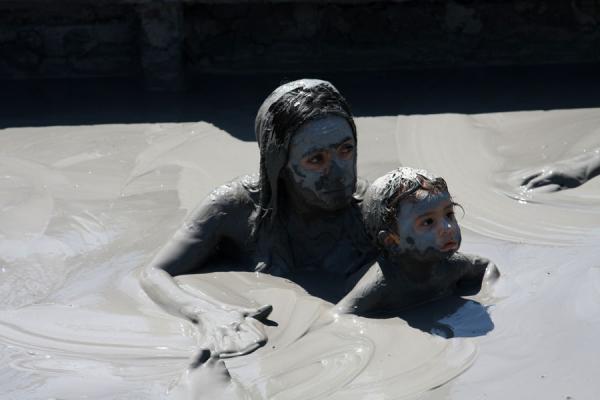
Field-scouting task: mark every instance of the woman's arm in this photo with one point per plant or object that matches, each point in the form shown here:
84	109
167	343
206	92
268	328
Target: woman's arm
220	215
567	173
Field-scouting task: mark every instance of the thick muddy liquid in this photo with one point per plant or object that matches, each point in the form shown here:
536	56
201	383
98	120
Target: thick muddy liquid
83	209
484	158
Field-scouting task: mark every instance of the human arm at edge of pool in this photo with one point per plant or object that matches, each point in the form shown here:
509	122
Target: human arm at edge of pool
220	215
566	174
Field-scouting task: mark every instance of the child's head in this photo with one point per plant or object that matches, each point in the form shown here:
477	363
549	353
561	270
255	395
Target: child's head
409	212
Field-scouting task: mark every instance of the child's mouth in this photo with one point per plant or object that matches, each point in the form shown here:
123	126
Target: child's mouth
451	245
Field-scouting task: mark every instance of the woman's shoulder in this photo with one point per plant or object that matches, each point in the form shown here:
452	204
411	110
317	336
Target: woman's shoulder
236	199
242	191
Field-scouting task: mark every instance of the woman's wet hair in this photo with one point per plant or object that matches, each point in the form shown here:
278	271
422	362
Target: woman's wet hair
286	109
383	198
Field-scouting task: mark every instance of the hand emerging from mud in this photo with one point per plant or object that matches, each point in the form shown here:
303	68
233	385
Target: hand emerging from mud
565	174
555	178
230	331
207	378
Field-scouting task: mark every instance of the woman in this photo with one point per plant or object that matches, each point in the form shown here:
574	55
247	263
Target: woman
299	215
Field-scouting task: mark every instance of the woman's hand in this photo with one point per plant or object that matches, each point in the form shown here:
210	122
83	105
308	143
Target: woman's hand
229	331
556	177
565	174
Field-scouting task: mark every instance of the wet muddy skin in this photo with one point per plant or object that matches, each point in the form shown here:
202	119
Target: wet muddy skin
85	208
323	144
299	215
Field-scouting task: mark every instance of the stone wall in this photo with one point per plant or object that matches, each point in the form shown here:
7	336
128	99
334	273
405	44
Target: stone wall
54	39
167	40
382	35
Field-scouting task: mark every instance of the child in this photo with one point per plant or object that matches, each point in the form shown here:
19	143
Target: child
409	215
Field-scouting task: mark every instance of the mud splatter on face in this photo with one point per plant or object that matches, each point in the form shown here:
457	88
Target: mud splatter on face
410	211
321	167
428	227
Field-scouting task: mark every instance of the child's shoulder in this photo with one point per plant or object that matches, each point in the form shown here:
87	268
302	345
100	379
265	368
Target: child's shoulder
361	188
469	271
454	267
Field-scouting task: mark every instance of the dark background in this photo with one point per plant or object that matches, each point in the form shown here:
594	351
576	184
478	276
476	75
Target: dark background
69	62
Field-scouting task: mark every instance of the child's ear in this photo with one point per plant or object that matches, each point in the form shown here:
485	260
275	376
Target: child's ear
387	238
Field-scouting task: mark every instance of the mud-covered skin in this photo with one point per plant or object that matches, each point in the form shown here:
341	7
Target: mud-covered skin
281	116
324	244
418	260
215	220
207	375
565	174
289	220
321	167
425	227
332	243
388	286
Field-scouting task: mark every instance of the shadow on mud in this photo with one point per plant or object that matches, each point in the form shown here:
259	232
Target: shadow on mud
449	317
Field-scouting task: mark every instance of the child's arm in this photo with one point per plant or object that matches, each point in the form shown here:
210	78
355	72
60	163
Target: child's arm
477	273
365	295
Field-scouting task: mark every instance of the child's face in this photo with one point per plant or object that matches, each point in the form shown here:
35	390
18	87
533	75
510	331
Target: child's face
427	228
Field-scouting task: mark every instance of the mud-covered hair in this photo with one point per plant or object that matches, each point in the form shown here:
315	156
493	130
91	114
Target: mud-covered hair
281	114
382	199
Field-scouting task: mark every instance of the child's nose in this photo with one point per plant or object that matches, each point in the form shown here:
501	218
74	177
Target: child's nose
447	228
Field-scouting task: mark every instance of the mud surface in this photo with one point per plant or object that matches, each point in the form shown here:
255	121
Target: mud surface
83	208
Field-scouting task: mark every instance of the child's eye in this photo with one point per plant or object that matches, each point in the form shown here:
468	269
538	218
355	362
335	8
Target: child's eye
427	222
450	215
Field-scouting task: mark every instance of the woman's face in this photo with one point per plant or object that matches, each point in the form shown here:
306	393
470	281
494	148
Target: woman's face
321	167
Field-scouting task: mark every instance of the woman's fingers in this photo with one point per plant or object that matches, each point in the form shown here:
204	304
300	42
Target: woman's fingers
258	313
261	313
552	182
244	339
545	179
527	179
557	177
538	181
231	334
253	330
541	178
551	187
202	357
247	350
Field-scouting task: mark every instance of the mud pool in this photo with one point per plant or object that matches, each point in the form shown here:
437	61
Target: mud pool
84	208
